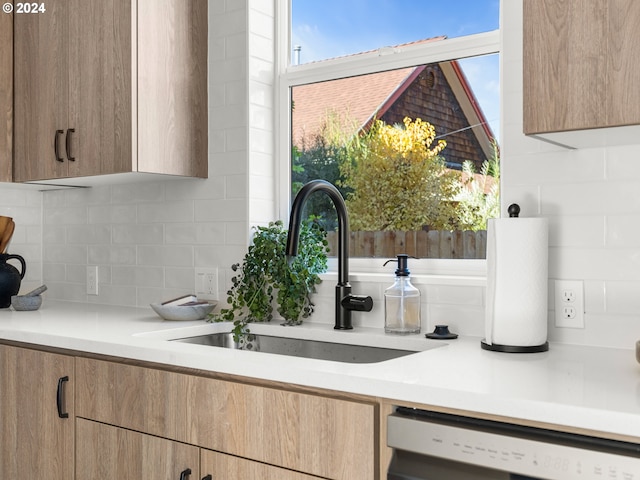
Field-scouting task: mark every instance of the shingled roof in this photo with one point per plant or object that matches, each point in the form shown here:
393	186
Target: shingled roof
438	93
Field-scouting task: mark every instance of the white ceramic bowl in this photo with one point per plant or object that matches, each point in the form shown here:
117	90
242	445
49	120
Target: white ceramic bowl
183	312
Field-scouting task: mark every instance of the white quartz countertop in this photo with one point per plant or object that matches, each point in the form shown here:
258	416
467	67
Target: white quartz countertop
580	387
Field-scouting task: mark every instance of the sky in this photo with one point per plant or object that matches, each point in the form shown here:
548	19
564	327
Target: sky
332	28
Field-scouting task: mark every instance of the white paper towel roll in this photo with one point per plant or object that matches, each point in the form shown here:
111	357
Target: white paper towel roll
517	278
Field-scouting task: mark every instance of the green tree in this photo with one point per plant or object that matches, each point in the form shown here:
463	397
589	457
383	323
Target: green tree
479	197
319	156
398	180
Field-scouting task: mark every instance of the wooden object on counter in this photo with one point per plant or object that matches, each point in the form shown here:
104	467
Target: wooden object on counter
6	236
7	226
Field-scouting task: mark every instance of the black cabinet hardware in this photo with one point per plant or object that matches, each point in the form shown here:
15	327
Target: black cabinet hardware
68	144
59	397
207	477
184	475
56	145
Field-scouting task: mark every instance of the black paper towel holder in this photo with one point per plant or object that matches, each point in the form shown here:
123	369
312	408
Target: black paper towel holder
514	212
494	347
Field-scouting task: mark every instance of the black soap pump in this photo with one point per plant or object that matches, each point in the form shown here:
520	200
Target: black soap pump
402	302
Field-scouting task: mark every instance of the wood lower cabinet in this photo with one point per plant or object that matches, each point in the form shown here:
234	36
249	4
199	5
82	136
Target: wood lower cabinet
105	452
307	433
228	467
36	430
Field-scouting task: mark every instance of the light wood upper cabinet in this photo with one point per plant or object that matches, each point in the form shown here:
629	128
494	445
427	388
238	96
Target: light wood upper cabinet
314	434
111	86
35	442
41	92
580	64
6	97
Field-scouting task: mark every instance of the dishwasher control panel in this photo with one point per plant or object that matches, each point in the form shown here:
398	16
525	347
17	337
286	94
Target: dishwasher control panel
505	453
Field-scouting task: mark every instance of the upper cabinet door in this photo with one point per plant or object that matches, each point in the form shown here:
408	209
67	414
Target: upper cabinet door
109	87
100	87
41	92
580	65
623	65
172	90
564	64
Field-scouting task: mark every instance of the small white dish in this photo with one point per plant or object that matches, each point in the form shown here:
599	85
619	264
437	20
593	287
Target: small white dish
183	312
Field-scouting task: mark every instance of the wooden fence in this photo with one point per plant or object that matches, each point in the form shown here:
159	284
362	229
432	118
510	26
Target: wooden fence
420	244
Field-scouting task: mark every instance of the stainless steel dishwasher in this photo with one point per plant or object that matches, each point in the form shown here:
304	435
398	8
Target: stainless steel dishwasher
434	446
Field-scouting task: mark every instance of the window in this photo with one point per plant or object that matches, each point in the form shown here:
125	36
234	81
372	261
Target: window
362	75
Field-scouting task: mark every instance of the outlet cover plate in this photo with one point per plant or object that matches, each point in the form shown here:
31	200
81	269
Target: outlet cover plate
569	303
206	280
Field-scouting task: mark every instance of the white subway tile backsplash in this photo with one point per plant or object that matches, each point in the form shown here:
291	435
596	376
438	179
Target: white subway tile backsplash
577	231
621	161
108	214
227	210
236	45
162	212
623	231
179	278
229	23
165	255
262	48
134	193
143	233
623	298
137	276
111	255
88	234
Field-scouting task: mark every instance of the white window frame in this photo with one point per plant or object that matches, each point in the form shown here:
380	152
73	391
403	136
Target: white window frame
386	58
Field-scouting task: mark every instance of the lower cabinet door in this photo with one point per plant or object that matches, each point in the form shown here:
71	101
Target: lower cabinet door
36	414
220	466
105	452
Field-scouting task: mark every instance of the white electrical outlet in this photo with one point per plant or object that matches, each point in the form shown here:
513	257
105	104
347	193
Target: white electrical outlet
569	303
206	283
92	280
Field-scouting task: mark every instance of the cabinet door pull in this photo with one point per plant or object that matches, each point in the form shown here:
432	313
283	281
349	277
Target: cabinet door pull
56	145
67	144
185	474
59	397
207	477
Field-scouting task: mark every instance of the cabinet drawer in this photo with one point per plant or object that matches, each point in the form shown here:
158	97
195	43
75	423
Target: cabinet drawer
319	435
107	452
232	468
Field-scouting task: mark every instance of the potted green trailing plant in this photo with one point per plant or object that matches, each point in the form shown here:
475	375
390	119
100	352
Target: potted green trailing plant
266	274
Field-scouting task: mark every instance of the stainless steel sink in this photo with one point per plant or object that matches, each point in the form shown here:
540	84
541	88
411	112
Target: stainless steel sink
297	347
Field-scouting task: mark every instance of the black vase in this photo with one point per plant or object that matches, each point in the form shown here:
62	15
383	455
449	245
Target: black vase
10	278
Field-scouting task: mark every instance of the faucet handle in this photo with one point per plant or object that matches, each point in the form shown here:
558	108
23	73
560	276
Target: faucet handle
358	303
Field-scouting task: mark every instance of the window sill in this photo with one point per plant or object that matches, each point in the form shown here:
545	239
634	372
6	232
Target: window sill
470	273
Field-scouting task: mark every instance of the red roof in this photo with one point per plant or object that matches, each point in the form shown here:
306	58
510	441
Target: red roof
345	97
356	103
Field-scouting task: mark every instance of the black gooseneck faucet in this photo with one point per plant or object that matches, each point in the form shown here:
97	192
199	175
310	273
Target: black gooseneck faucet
345	301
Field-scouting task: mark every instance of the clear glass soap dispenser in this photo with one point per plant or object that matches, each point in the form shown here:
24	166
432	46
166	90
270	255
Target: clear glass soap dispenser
402	302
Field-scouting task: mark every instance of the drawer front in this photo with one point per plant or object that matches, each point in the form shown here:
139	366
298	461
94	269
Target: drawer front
229	467
322	436
105	452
